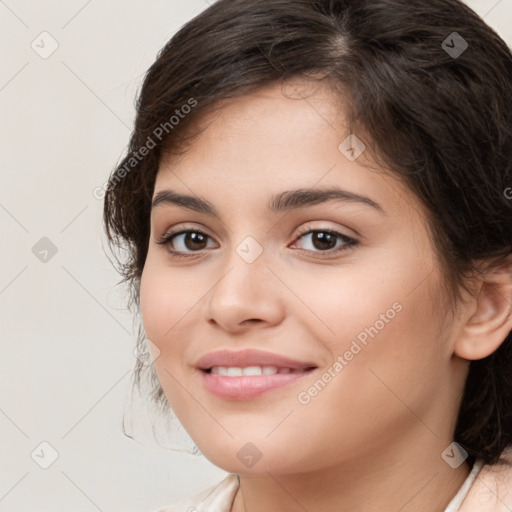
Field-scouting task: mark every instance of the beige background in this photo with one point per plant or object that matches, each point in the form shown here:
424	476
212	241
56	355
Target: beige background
66	340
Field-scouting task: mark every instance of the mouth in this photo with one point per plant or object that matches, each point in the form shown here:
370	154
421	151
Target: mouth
247	374
238	371
250	361
249	382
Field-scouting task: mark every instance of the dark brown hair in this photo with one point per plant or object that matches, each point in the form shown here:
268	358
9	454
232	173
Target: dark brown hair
428	82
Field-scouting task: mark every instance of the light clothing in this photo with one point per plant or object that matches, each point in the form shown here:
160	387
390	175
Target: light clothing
218	498
488	488
458	499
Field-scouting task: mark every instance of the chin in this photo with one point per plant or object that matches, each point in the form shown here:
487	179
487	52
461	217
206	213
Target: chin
248	458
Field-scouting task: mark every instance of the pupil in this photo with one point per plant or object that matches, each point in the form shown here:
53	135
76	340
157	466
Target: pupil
194	238
325	240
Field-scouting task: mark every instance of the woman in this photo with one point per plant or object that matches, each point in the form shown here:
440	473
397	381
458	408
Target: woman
317	214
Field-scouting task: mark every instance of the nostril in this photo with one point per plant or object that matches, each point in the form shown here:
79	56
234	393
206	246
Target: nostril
252	320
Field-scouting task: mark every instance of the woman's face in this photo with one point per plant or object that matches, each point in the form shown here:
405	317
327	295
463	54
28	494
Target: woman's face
348	285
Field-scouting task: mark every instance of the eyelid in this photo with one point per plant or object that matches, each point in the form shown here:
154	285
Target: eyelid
307	228
304	229
165	238
348	242
185	227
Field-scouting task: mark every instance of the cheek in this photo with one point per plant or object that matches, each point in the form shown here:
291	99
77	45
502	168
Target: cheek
384	362
165	303
166	297
383	323
364	302
154	304
387	335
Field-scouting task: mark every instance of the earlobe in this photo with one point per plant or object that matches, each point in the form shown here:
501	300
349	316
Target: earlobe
490	321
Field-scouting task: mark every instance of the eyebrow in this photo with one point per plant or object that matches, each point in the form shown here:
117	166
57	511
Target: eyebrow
283	202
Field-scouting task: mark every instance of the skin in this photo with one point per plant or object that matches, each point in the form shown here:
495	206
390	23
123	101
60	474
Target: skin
375	433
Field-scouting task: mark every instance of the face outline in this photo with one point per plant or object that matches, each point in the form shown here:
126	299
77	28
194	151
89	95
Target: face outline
400	385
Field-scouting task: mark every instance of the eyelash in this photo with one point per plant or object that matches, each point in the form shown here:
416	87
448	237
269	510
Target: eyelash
349	242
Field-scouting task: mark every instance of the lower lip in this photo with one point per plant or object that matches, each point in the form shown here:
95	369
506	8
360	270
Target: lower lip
246	387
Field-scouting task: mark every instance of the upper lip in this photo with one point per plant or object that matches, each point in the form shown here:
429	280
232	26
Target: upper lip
249	357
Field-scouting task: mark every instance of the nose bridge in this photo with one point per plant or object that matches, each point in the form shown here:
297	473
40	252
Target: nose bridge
250	250
246	271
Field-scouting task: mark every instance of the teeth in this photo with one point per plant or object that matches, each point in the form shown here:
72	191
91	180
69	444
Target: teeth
252	370
235	371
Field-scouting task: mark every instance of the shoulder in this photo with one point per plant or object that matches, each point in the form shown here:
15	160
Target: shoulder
217	498
492	489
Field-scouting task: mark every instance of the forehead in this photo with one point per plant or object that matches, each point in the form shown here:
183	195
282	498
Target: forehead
298	106
283	136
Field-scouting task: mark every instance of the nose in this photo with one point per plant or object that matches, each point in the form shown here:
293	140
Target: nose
246	296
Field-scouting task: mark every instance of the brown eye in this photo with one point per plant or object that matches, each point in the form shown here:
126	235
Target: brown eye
325	241
194	240
186	241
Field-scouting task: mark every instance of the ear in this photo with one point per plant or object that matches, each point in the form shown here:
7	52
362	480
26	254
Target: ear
489	318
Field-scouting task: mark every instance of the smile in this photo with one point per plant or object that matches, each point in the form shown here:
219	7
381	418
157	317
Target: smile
236	383
236	371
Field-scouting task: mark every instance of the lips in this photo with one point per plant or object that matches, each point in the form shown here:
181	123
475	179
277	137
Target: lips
247	374
250	357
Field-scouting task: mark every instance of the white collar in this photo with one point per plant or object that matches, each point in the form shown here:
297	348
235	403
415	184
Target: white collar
457	500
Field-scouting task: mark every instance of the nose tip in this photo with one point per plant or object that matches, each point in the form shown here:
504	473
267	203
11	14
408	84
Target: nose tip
241	299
